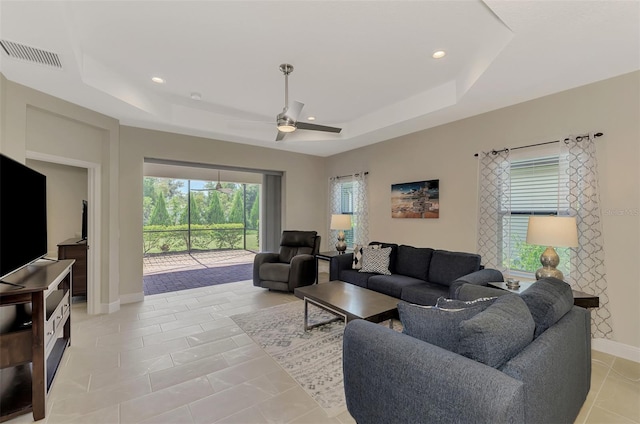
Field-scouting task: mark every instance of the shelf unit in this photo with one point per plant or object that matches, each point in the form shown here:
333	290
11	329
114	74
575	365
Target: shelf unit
35	349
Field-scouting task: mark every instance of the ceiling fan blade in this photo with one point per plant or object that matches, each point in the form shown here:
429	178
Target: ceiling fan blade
316	127
280	135
294	110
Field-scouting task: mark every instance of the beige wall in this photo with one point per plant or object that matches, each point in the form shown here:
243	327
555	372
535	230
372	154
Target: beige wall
304	189
66	189
39	125
446	153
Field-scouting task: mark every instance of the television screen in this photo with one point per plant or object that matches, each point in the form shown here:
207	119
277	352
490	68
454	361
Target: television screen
84	220
23	215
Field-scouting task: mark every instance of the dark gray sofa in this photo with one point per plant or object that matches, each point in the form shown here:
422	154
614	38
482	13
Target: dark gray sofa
393	377
418	275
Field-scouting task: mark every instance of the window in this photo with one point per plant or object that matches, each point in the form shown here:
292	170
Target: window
346	207
533	191
348	195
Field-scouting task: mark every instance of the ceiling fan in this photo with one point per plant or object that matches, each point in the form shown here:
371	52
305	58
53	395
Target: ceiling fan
287	120
218	187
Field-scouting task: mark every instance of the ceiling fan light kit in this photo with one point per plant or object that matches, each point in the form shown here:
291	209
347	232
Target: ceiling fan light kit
287	120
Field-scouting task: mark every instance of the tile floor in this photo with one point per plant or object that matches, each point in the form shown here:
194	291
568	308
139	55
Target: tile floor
178	358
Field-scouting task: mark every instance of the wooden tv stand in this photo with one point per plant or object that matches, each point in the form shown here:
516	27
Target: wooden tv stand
46	286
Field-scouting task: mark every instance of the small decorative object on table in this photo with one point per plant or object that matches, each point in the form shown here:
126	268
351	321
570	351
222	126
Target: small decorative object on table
513	284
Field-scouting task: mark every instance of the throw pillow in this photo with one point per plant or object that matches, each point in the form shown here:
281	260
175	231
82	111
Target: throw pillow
498	333
376	261
548	299
440	327
357	254
444	303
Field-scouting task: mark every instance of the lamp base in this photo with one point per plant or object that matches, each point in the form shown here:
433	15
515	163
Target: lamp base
549	260
341	246
545	272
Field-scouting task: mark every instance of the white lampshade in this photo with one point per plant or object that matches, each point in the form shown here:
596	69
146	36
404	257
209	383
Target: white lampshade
555	231
340	222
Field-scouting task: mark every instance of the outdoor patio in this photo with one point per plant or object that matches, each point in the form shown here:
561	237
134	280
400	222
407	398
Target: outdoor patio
169	272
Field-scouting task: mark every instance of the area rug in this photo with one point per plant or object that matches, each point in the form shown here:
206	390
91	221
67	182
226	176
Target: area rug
182	280
312	358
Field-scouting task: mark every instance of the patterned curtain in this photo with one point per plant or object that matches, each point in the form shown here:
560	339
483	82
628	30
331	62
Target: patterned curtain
494	206
357	190
360	216
579	195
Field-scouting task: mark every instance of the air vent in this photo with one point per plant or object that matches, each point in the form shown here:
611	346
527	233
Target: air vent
31	54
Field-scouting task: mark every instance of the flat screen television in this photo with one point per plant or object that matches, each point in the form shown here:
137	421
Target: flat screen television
84	220
23	215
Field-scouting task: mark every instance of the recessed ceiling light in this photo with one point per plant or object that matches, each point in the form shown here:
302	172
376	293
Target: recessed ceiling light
157	80
438	54
311	118
196	96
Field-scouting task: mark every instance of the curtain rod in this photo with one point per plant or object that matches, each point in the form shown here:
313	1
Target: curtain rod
578	138
357	173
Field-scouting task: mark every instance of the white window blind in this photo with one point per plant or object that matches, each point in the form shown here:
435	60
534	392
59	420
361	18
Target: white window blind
534	191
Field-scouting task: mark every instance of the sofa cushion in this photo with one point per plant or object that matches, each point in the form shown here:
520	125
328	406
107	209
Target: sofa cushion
275	272
391	285
392	256
548	299
498	333
440	327
376	260
355	277
413	261
445	267
357	254
424	293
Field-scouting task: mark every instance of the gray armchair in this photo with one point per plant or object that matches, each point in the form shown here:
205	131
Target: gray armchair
293	266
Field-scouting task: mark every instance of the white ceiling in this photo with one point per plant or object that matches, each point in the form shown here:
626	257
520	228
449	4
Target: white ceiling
364	66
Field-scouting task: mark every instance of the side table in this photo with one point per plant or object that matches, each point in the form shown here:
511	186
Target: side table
582	299
326	256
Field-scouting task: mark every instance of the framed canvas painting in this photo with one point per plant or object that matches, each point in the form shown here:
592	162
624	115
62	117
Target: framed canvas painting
420	199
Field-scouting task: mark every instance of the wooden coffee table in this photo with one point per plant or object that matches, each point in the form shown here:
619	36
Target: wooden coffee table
348	302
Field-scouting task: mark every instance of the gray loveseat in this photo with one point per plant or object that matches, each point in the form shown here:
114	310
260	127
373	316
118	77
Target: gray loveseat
394	377
418	275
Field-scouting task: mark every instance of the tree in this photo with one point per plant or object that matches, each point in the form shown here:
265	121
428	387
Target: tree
254	214
149	187
215	214
195	213
160	215
236	215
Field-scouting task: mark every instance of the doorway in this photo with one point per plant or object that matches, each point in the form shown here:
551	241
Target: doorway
201	224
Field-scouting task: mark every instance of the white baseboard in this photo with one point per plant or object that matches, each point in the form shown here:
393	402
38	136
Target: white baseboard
618	349
108	308
131	298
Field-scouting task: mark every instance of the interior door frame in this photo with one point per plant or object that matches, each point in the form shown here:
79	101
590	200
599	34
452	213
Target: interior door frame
94	222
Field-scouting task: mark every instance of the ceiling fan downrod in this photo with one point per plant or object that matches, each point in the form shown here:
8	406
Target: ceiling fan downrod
286	69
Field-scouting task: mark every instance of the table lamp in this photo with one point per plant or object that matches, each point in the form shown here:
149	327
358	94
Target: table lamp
552	231
341	222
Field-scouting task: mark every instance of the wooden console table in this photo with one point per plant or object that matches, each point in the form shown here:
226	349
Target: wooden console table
44	286
74	248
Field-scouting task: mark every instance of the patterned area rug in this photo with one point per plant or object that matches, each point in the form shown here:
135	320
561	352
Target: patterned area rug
312	358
